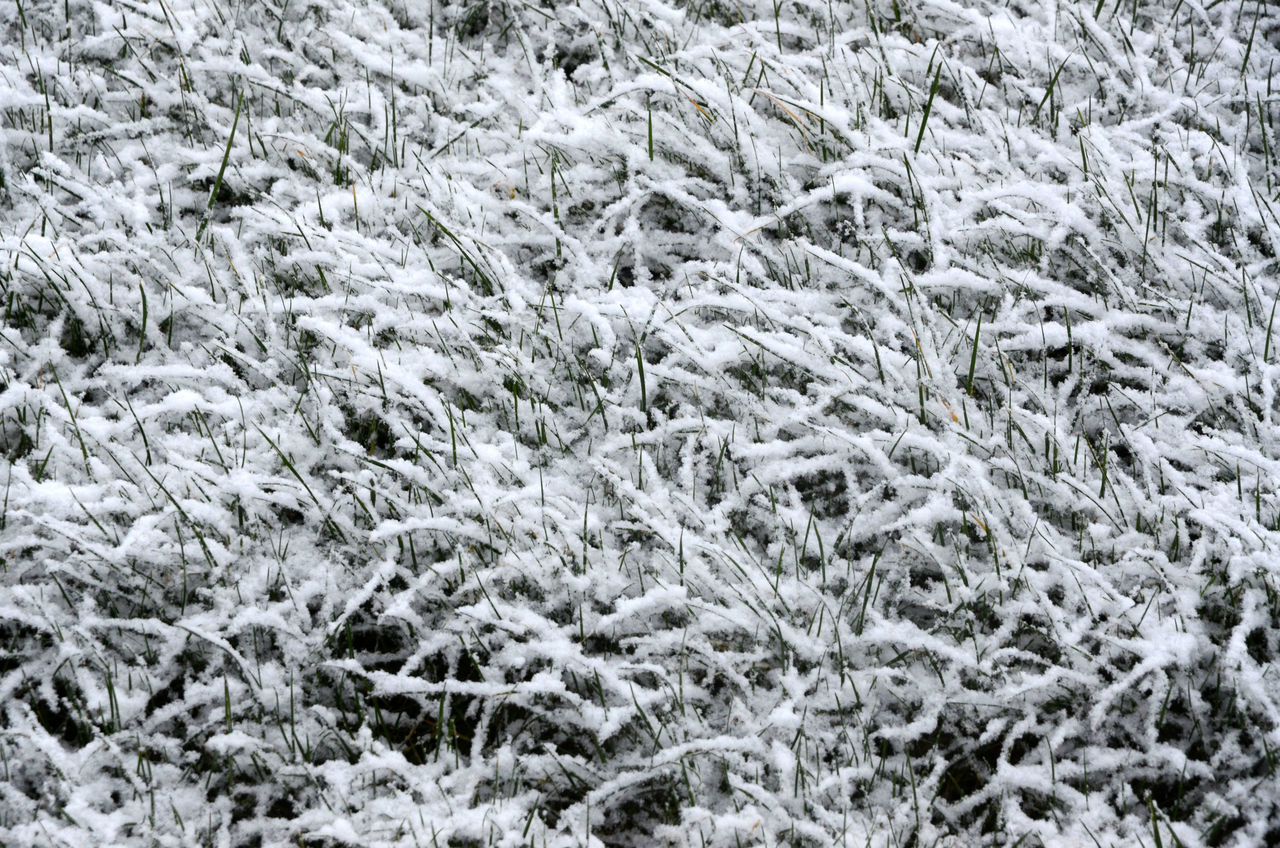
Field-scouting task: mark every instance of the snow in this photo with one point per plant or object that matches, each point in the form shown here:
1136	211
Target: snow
632	423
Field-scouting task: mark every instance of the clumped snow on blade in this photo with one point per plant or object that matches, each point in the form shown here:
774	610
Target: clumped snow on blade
629	423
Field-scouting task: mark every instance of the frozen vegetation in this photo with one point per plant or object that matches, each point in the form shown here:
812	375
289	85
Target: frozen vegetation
615	423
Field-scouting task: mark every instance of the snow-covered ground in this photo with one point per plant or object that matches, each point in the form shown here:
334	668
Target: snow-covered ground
613	423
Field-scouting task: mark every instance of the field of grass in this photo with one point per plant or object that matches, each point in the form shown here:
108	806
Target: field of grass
639	423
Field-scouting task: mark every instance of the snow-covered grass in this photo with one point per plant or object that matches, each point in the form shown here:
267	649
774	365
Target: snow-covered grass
517	422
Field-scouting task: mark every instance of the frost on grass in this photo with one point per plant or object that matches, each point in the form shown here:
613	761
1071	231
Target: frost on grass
627	424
